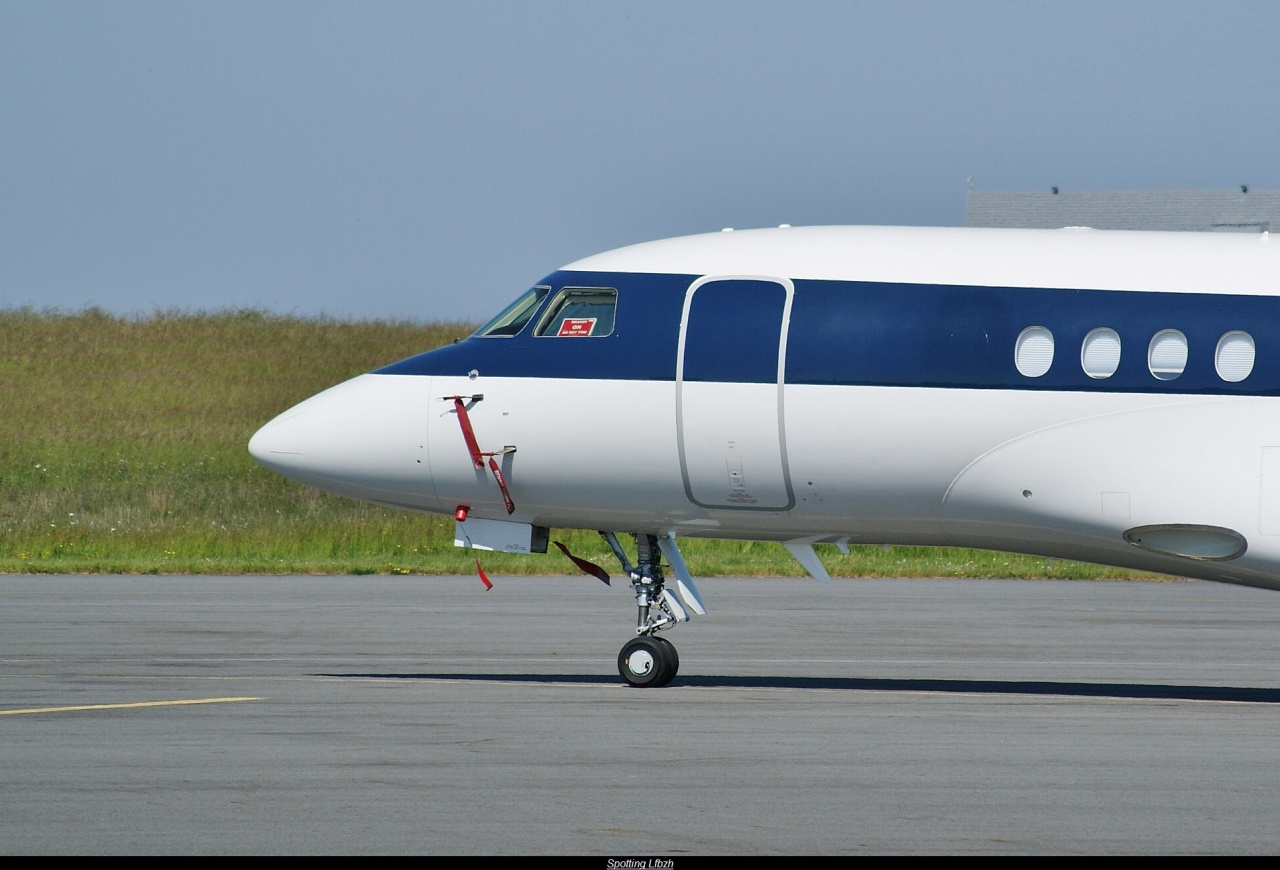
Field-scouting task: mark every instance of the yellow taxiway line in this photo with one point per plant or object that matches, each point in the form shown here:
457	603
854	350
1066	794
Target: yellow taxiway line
124	706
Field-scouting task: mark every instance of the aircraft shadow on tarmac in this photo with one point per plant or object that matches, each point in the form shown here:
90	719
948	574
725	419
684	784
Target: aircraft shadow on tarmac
1240	694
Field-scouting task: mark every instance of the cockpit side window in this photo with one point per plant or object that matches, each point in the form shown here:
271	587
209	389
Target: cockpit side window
512	319
580	312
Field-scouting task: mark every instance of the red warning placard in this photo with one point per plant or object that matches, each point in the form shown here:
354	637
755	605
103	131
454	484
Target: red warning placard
577	326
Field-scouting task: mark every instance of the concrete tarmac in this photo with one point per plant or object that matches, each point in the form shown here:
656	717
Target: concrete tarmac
415	715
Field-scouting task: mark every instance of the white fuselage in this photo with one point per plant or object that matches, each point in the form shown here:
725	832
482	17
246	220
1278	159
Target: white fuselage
884	400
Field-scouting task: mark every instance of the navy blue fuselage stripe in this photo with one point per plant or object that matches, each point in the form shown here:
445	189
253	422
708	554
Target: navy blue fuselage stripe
878	334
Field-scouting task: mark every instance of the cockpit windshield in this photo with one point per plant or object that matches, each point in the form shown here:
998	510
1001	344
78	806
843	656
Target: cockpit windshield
512	319
580	311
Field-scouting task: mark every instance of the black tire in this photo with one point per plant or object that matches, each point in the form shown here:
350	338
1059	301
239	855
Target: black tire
644	662
672	661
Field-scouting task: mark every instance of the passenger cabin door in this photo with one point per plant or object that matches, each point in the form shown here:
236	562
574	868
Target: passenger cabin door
730	371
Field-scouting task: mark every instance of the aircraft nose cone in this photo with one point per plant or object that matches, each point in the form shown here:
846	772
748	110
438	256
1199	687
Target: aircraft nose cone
280	444
365	438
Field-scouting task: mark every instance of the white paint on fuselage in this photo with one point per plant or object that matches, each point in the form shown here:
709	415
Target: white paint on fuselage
1000	469
968	256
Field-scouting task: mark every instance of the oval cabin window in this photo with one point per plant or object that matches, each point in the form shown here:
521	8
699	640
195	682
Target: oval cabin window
1100	353
1167	356
1234	357
1033	352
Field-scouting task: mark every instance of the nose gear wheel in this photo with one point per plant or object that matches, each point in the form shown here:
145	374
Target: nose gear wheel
648	662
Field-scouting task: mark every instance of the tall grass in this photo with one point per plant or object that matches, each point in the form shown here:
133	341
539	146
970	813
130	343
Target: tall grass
122	441
123	449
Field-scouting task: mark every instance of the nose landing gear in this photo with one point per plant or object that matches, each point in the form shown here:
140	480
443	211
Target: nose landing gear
649	661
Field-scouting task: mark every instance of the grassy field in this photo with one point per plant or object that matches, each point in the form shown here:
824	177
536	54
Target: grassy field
122	450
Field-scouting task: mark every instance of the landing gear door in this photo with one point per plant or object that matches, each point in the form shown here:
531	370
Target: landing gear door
730	372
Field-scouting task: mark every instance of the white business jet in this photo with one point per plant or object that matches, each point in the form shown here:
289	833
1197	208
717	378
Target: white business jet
1110	397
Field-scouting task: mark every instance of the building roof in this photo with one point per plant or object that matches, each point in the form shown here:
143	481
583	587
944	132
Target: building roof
1239	209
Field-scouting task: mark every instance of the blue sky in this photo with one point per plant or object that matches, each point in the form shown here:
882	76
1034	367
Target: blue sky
428	161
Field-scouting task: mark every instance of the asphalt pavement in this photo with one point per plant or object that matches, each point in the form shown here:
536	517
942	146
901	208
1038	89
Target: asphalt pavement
408	715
